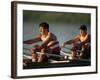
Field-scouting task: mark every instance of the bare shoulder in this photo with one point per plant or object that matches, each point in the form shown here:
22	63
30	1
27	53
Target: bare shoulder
88	35
50	34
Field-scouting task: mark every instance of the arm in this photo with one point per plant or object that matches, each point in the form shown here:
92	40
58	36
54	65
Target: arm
75	39
31	41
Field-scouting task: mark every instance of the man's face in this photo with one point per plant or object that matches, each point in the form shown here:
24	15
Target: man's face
82	32
42	30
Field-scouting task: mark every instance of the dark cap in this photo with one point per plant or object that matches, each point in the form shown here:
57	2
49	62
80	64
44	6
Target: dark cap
83	27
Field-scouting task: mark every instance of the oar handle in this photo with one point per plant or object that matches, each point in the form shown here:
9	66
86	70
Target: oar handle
26	48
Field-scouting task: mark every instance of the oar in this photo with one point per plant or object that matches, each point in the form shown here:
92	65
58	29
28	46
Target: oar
26	48
51	54
55	55
71	49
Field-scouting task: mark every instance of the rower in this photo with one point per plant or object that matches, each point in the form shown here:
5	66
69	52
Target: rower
50	44
80	42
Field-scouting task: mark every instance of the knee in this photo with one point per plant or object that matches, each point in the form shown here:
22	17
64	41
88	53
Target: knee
43	50
87	46
33	50
73	48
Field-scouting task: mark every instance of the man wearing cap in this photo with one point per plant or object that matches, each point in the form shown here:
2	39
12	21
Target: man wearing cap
80	42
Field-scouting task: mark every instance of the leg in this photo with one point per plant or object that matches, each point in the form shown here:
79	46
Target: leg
74	54
85	51
42	57
82	55
34	55
74	49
